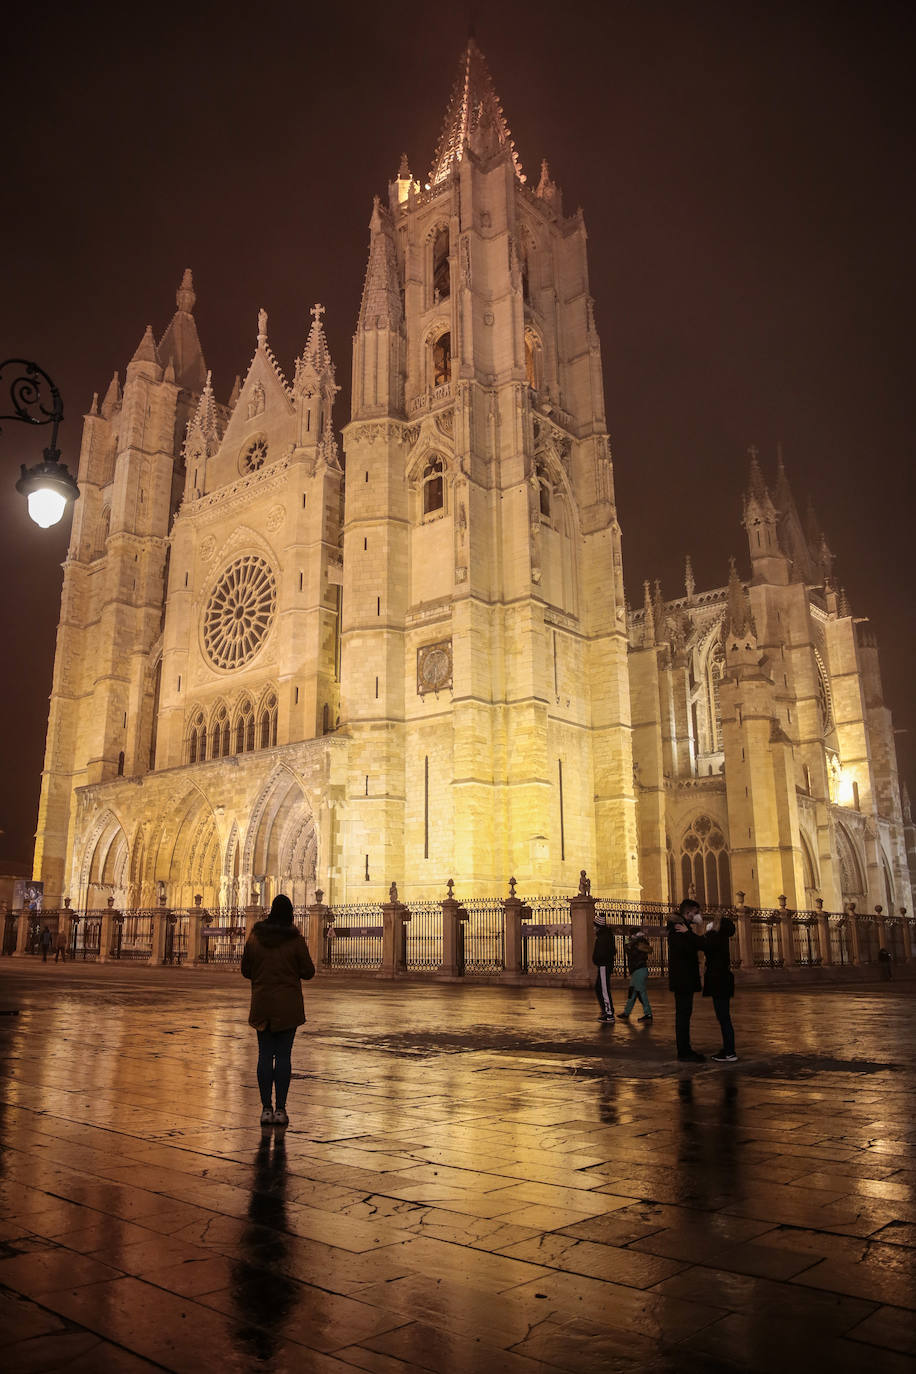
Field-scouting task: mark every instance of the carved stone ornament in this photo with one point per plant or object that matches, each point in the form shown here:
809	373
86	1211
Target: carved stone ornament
275	517
434	667
488	317
207	548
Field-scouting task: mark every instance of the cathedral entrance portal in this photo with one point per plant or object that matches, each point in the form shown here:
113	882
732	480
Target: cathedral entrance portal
281	847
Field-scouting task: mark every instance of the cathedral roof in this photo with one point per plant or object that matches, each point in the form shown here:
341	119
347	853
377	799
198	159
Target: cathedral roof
474	118
180	344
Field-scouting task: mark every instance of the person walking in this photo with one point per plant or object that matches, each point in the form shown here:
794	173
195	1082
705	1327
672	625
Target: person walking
684	944
60	945
603	958
44	940
719	983
275	960
638	951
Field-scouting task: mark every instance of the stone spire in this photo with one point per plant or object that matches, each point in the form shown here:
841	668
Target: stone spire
740	620
649	613
689	581
112	397
314	389
381	305
474	119
146	351
179	346
314	370
791	533
205	422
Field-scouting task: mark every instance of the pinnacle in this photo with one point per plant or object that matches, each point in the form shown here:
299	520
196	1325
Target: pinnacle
756	484
474	118
185	296
147	352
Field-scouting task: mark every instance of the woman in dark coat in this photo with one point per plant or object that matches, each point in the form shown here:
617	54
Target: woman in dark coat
276	958
684	945
719	983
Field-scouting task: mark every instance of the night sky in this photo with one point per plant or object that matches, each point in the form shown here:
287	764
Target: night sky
746	172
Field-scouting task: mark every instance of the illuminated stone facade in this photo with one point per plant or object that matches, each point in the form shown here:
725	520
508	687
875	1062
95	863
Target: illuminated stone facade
273	674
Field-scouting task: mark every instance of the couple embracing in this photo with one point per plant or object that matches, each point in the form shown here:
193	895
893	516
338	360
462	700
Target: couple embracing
688	934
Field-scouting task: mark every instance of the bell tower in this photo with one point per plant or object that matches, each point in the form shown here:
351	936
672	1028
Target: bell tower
484	672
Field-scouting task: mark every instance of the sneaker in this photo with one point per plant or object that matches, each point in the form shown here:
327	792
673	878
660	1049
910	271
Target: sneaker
280	1118
646	1018
692	1058
267	1116
623	1016
723	1058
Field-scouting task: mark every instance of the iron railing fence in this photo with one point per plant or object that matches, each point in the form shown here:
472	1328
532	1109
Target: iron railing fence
547	936
222	935
484	937
806	939
869	940
423	952
839	939
895	941
354	940
766	941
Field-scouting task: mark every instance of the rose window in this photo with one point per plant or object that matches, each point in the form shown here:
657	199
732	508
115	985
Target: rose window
239	612
254	456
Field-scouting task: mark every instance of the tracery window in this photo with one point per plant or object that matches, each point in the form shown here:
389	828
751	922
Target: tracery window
442	359
705	865
268	723
220	737
254	455
715	673
244	727
543	490
197	739
433	486
240	612
441	272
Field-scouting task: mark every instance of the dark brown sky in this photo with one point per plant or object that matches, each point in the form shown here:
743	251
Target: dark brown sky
746	172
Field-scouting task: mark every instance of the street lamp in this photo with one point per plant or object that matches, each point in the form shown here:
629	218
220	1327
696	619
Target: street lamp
48	485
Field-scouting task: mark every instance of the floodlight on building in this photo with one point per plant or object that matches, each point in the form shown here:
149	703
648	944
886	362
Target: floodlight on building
48	486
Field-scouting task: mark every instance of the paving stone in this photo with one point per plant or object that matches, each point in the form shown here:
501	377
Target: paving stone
473	1182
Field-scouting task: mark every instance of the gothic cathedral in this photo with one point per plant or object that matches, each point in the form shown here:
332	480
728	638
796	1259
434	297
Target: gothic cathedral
279	669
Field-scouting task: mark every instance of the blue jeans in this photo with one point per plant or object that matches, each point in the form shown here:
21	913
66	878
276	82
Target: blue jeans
275	1068
638	988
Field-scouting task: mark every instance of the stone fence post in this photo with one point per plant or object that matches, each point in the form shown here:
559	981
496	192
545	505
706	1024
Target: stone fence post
823	932
852	925
160	920
453	916
253	914
745	934
395	919
582	919
882	927
194	928
512	931
785	934
105	927
22	932
316	927
907	937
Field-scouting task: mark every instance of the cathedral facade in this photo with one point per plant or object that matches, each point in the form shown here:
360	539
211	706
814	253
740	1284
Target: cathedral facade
286	666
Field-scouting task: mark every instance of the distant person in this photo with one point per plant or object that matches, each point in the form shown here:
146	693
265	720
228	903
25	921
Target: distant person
638	951
684	944
44	941
603	959
276	959
885	960
60	946
719	982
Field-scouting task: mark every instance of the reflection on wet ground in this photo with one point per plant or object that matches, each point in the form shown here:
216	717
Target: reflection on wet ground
474	1179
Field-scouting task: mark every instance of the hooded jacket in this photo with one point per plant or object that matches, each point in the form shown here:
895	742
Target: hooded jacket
638	951
604	948
718	980
275	959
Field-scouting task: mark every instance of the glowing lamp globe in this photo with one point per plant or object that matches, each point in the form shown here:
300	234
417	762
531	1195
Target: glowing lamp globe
49	490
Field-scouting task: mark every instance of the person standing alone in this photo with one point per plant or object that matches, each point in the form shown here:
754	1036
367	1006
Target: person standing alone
603	959
638	951
719	983
684	945
276	959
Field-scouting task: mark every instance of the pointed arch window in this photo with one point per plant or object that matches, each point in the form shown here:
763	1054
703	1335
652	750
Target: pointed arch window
715	673
197	739
244	728
219	742
433	486
705	864
101	533
267	725
441	266
442	359
543	482
121	764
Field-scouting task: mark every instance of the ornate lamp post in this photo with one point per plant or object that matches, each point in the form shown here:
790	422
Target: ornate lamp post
49	487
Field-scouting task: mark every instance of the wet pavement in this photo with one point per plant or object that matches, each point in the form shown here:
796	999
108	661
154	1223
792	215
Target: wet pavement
474	1179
